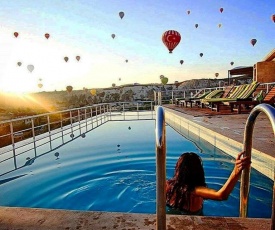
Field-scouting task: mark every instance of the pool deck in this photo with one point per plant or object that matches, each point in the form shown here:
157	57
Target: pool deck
230	125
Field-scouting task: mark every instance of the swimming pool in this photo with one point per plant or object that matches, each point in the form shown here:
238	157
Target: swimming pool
112	168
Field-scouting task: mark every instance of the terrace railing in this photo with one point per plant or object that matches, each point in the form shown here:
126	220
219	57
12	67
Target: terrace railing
244	191
52	130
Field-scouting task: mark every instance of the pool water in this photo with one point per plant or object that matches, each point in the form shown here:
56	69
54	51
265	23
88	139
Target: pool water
113	169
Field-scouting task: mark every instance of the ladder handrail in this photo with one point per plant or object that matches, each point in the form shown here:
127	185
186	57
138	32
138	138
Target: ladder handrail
245	178
160	169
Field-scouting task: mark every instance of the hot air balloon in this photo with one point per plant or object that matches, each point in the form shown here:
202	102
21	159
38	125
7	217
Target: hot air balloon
69	88
16	34
196	25
188	11
66	59
47	35
161	76
220	25
19	63
93	92
113	85
201	54
171	39
126	60
253	41
113	36
232	63
164	80
77	58
273	18
40	85
216	74
121	14
119	79
30	68
221	9
181	61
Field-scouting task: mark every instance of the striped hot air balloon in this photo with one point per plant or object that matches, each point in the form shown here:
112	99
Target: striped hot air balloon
171	39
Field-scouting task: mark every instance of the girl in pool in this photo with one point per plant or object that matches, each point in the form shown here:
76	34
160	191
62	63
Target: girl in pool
186	190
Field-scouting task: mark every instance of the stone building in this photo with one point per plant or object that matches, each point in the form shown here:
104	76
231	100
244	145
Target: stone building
264	71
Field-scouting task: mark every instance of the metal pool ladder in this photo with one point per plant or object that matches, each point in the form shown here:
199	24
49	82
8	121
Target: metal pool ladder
160	169
245	178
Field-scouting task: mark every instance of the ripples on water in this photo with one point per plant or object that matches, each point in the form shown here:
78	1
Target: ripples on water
113	169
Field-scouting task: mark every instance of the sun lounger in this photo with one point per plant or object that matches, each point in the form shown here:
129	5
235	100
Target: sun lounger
238	105
241	92
226	92
192	100
196	101
198	94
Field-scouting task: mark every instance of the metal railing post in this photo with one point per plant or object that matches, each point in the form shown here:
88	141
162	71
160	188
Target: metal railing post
79	120
85	117
33	137
61	126
13	145
123	107
49	130
245	178
160	169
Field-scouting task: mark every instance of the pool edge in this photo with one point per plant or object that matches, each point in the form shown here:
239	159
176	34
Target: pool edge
33	218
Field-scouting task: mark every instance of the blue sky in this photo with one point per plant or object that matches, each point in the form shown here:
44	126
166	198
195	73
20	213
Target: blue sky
84	28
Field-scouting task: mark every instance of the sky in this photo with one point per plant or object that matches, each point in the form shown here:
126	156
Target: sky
84	28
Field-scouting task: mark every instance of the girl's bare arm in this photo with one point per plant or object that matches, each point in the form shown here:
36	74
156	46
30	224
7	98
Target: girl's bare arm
224	192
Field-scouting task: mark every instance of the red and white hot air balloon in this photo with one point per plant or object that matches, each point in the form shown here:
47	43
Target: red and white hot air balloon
16	34
273	18
171	39
221	9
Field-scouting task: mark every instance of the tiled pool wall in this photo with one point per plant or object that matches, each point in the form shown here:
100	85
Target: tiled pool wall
260	161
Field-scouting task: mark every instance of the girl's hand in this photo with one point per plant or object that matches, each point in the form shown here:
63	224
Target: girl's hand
241	163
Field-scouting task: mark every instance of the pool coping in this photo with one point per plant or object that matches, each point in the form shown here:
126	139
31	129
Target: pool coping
48	219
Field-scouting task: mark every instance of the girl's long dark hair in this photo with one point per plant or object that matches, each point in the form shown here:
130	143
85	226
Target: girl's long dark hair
189	174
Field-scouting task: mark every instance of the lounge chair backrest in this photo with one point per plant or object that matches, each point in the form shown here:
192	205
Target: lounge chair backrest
214	94
270	95
237	91
199	93
249	90
227	91
202	95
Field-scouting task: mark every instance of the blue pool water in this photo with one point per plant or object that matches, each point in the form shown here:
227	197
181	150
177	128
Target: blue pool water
113	169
